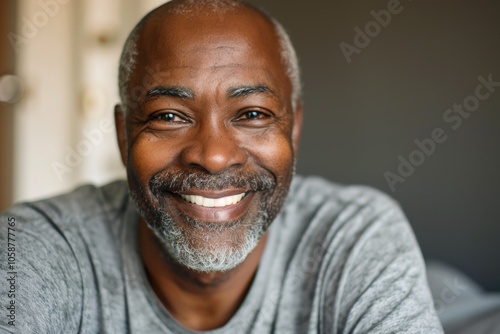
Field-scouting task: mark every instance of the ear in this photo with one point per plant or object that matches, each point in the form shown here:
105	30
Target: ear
121	134
297	127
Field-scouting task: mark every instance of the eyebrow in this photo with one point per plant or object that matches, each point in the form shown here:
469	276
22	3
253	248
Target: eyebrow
172	91
242	91
186	93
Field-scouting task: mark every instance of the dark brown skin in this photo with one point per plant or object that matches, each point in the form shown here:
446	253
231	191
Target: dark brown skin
213	132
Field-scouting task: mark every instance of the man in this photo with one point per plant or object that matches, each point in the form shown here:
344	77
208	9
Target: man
208	130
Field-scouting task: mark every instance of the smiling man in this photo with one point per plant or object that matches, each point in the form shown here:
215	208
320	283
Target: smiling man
211	234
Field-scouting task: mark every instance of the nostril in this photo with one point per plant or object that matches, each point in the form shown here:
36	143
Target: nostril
214	156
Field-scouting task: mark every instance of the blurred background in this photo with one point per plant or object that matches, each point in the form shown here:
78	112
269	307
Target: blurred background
378	75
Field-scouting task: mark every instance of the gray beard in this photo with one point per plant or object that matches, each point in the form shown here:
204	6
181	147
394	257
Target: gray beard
205	247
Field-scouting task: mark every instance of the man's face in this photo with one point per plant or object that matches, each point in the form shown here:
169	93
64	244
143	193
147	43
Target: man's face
210	144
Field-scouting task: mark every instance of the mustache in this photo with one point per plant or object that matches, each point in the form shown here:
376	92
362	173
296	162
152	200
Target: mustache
181	181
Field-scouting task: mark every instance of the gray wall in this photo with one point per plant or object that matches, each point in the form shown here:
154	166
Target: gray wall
360	117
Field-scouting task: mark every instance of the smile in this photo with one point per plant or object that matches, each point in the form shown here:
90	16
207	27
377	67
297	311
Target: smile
213	202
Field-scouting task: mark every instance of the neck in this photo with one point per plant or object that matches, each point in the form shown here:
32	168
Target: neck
199	301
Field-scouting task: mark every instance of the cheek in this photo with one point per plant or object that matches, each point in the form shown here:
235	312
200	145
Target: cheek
274	152
148	156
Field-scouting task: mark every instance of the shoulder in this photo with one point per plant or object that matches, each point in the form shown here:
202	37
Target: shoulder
319	203
50	243
61	218
316	188
82	202
359	225
342	228
367	259
50	218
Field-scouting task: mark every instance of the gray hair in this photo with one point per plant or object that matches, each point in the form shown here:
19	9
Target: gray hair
128	59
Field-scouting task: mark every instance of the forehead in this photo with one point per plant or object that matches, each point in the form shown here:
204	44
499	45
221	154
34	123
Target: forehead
238	41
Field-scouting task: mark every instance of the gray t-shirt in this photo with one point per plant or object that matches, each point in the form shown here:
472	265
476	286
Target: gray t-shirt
339	259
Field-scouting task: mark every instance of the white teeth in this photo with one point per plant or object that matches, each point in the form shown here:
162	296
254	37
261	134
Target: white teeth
208	202
220	202
213	202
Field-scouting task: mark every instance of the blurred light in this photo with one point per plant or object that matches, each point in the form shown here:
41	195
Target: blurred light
11	89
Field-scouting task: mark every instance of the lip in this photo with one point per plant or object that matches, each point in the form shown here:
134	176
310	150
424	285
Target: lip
214	214
216	194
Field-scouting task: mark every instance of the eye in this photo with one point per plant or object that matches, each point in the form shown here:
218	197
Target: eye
167	121
169	117
253	115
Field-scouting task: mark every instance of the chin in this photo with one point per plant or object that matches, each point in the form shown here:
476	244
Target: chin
209	247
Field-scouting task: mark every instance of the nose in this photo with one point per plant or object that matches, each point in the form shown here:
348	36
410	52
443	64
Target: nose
213	149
